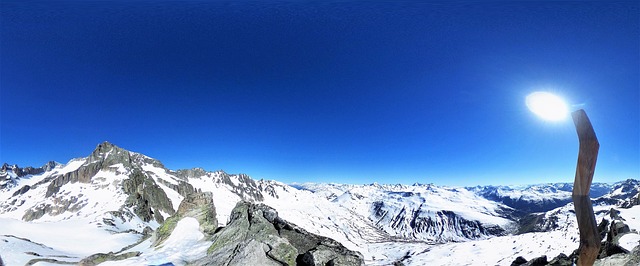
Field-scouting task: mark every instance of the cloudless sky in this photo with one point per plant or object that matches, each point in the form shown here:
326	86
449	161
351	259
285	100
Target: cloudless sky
350	92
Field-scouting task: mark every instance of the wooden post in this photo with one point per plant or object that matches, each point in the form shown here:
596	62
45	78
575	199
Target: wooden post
587	156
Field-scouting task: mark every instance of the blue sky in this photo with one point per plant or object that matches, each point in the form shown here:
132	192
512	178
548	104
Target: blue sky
404	92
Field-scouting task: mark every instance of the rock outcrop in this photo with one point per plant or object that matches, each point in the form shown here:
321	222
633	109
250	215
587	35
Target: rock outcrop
622	259
256	235
98	258
146	197
198	205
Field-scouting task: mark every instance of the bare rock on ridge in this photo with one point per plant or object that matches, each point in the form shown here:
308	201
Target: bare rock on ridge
256	235
198	205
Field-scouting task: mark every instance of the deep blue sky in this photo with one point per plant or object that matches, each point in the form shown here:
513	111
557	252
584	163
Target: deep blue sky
324	92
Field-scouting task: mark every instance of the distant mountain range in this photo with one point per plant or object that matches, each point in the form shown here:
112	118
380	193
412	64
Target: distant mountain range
146	214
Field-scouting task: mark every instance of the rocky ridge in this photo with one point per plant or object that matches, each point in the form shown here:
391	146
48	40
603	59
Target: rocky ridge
256	235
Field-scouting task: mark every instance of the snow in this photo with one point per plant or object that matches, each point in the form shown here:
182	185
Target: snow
185	244
400	202
631	216
495	251
13	251
173	195
78	237
629	241
159	173
71	166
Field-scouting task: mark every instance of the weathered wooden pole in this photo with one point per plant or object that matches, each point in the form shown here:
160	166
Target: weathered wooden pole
587	156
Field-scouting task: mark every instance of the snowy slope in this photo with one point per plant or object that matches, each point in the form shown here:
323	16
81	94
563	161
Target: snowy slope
421	212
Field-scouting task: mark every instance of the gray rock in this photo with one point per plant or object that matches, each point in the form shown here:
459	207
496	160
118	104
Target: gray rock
608	249
198	205
146	197
256	235
539	261
561	260
183	188
98	258
630	259
105	155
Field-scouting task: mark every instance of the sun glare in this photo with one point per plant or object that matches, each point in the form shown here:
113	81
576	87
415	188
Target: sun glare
547	106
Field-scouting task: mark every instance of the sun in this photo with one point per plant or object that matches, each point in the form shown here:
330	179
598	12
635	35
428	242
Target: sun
547	106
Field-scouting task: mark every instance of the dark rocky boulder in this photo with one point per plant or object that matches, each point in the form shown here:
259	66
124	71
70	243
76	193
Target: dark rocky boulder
561	260
519	261
608	249
602	228
539	261
256	235
623	259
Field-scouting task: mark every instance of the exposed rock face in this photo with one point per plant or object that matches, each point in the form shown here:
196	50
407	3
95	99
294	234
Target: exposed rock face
537	222
146	197
183	188
256	235
198	205
105	155
59	206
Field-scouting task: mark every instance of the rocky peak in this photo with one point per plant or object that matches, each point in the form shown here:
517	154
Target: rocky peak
50	166
109	154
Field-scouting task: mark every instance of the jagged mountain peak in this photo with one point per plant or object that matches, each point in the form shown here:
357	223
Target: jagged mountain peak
110	154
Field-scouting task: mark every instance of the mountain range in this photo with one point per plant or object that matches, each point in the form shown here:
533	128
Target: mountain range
117	207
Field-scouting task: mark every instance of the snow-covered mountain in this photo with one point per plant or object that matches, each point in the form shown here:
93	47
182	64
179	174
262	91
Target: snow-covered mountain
421	212
144	213
536	198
